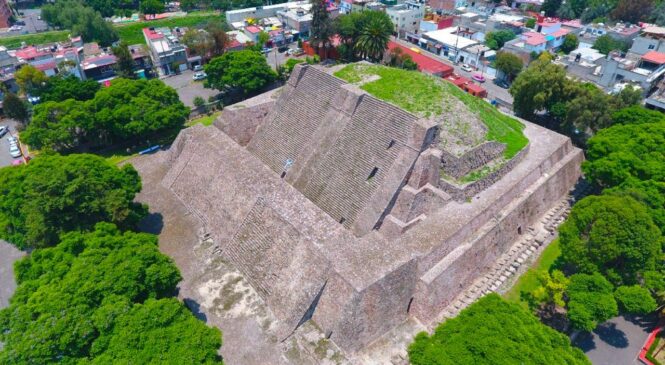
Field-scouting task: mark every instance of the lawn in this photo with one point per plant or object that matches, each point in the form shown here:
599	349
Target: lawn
37	38
206	120
132	33
423	95
529	280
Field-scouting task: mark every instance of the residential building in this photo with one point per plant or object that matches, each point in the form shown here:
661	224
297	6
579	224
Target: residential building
644	70
446	43
406	17
425	63
100	68
650	39
448	6
252	32
298	19
237	40
142	62
549	35
260	12
168	54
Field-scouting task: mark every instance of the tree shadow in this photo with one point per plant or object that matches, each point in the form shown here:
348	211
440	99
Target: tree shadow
195	308
646	322
585	342
611	335
152	223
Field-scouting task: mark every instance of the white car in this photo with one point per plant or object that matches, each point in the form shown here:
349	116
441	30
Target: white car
467	68
14	151
3	130
199	76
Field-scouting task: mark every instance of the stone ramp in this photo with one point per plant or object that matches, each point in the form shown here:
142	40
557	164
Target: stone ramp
255	218
373	150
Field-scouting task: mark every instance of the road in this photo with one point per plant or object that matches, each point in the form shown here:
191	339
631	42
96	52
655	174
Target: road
617	341
493	91
188	89
276	58
32	23
5	158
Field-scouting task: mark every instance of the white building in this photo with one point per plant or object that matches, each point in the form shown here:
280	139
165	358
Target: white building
446	43
406	17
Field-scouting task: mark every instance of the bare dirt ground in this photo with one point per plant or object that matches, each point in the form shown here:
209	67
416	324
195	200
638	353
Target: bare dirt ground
216	292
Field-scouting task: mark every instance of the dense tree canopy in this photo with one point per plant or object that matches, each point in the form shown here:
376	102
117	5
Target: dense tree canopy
321	28
209	41
15	107
637	114
605	44
493	331
496	40
61	88
128	109
635	299
30	79
245	69
102	298
570	43
590	301
622	152
82	20
365	34
508	63
612	235
55	194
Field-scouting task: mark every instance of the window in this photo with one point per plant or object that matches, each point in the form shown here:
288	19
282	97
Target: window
392	143
342	220
373	173
519	230
652	46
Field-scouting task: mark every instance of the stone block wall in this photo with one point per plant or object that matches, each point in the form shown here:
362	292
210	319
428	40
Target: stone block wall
241	123
477	157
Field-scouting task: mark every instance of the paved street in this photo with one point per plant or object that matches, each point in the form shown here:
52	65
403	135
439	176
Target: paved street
276	58
493	91
188	89
5	158
8	254
616	342
32	23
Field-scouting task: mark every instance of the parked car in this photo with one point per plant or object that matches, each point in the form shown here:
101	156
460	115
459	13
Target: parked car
14	151
467	68
501	83
478	77
282	49
20	22
199	76
295	52
3	131
198	68
11	139
266	50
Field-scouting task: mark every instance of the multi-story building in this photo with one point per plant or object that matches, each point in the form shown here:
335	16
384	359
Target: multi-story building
298	19
651	39
406	17
168	54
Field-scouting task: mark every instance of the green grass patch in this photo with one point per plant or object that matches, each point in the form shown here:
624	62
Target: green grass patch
424	95
37	38
206	120
528	282
132	33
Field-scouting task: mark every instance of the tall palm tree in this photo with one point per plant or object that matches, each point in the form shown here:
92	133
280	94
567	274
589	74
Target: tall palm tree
374	36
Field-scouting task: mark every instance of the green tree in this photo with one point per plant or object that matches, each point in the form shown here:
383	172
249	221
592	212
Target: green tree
199	42
199	101
151	7
55	194
633	11
102	297
550	7
496	40
551	289
61	88
606	44
291	63
623	152
658	15
262	38
508	63
590	301
374	35
245	69
493	331
15	108
321	28
612	235
30	79
570	43
82	20
566	11
530	23
635	299
125	62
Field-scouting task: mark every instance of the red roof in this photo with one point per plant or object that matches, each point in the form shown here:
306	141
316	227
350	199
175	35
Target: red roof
560	33
534	39
29	53
50	65
425	64
654	57
253	29
152	34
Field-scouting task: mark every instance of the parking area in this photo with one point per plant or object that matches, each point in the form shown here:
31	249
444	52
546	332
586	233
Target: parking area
5	158
29	22
188	89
